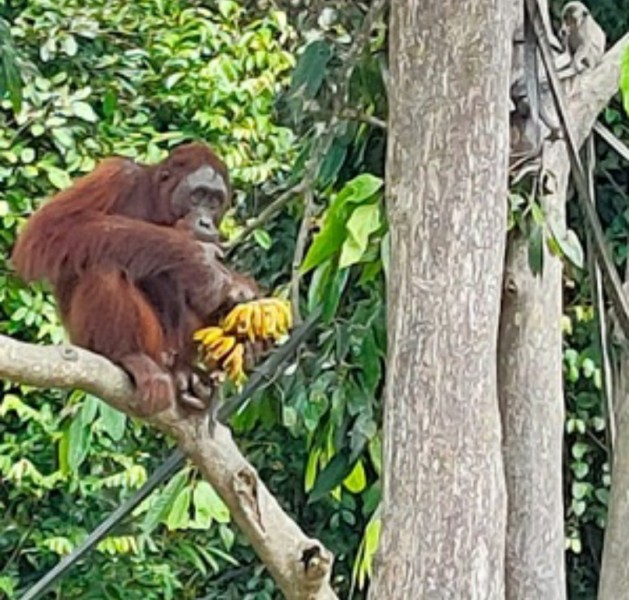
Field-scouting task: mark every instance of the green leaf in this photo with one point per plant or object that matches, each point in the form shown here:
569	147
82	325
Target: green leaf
333	233
356	481
69	45
580	469
63	137
364	221
262	238
114	421
311	469
624	80
602	495
385	253
569	245
110	103
331	476
37	130
79	441
579	507
208	505
84	111
579	450
310	70
536	249
27	155
164	502
580	489
227	537
375	453
588	366
332	162
227	8
60	179
179	515
326	287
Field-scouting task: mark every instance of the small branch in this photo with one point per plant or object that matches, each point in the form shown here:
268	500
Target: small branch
354	115
300	249
301	566
280	202
611	140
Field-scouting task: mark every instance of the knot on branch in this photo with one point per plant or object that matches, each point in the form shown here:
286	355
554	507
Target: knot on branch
510	286
68	353
245	484
315	566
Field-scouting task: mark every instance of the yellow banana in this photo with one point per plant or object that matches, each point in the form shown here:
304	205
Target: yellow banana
282	320
208	335
257	318
269	326
244	322
231	320
234	363
221	347
235	359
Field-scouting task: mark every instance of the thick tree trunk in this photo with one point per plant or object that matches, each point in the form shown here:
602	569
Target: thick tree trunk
444	502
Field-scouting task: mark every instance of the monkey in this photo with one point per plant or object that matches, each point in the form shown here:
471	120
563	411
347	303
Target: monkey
582	36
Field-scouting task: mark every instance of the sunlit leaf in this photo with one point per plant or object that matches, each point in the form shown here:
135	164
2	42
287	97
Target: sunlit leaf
179	515
165	500
356	481
84	111
208	506
333	233
361	224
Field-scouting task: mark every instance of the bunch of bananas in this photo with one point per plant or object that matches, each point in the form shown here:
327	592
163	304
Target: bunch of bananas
266	319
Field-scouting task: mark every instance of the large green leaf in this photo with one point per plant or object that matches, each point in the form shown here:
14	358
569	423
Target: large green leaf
162	505
179	515
333	233
364	221
208	506
310	69
331	476
114	421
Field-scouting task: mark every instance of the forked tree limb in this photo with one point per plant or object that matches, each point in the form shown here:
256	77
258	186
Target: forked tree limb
301	566
587	95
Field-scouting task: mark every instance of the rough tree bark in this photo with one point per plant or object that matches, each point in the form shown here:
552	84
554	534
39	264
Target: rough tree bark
444	499
301	566
530	371
614	581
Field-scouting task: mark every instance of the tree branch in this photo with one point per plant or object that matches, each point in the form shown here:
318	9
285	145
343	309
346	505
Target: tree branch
300	249
301	566
588	94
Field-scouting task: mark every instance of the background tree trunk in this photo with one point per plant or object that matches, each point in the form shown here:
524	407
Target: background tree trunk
530	371
614	581
530	380
444	499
